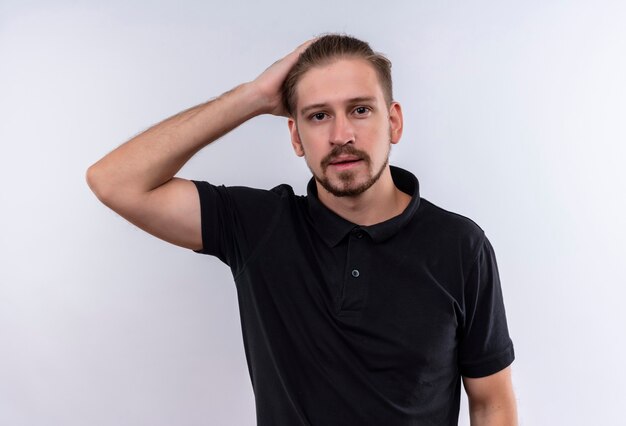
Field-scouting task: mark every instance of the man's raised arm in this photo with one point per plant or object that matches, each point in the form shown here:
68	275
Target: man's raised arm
137	179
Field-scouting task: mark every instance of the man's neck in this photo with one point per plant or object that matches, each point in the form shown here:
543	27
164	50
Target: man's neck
379	203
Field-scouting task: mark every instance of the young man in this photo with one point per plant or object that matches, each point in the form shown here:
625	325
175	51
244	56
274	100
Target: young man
361	303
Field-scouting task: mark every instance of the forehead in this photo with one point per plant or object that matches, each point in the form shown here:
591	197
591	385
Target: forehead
338	81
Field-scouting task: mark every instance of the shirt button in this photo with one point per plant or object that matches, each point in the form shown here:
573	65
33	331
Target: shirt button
359	235
355	273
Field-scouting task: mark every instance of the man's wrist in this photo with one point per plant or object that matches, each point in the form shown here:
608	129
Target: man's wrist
255	100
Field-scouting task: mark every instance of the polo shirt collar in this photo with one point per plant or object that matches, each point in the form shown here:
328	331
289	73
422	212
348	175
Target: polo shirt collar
333	228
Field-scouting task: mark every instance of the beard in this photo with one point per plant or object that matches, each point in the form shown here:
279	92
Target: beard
346	186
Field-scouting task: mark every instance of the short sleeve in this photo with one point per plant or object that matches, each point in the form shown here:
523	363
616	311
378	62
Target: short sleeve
485	346
234	220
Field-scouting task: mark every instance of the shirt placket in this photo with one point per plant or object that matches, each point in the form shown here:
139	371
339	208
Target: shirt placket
356	275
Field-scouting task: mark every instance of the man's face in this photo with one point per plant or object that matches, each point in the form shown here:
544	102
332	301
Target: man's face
343	126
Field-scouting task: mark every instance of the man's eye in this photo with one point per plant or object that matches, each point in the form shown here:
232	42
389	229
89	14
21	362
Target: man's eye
318	116
361	110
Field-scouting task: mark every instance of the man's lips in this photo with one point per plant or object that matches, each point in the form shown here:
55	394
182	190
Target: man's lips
345	157
344	160
345	163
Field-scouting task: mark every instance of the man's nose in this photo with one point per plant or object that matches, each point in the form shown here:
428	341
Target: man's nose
342	131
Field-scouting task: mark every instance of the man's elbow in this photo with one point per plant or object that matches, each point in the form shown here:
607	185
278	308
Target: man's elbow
97	182
110	191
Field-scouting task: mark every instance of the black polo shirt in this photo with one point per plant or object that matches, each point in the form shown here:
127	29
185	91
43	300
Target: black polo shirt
357	325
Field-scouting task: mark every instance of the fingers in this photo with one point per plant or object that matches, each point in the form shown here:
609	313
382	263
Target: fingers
295	54
270	81
306	44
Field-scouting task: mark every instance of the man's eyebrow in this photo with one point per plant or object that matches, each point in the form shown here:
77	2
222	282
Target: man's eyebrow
358	99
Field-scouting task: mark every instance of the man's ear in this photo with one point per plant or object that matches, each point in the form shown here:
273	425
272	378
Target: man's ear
395	122
295	137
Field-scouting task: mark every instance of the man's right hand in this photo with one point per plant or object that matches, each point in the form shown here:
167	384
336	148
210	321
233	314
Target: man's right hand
137	181
269	83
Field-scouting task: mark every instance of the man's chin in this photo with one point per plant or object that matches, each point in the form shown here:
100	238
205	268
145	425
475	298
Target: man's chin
349	183
345	189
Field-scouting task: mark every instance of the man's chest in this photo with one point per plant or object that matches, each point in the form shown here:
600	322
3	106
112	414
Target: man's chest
395	304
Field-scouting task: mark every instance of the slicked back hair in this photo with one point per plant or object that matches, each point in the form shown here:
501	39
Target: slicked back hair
327	49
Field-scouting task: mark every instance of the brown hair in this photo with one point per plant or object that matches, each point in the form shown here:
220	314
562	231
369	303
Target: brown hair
327	49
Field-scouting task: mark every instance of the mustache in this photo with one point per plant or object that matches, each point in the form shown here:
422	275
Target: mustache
340	150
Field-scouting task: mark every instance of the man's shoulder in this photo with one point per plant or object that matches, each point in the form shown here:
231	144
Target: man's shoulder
248	201
280	191
280	194
283	190
446	224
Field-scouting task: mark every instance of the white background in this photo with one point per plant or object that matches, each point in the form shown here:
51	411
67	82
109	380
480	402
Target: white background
514	116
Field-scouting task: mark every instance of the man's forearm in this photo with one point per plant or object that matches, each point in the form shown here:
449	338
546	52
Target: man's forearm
156	155
137	180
